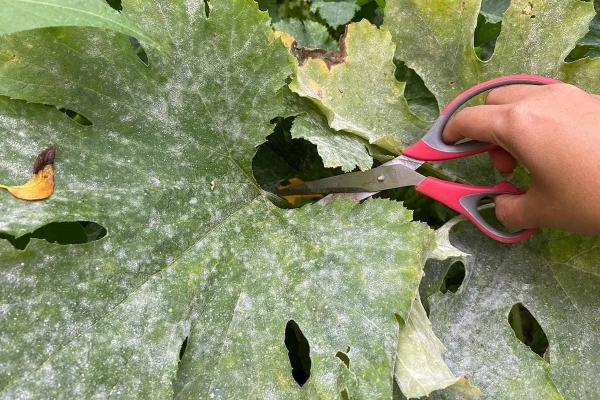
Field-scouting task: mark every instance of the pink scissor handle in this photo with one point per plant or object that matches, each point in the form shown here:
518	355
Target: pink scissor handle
465	198
432	148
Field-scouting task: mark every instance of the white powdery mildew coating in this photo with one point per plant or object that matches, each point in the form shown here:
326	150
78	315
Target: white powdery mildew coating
305	279
121	346
17	156
147	344
472	323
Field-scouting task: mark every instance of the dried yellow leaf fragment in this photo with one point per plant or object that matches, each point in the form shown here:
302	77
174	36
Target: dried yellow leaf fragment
41	185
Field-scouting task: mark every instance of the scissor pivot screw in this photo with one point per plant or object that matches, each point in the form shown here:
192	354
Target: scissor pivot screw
381	178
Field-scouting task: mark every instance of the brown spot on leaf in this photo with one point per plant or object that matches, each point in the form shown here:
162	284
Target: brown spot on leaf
46	157
527	10
330	58
306	53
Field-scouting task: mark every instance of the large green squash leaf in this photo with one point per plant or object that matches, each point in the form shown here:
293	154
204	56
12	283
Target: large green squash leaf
556	277
358	92
195	252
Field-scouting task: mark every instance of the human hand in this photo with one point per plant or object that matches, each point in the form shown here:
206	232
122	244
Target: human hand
554	131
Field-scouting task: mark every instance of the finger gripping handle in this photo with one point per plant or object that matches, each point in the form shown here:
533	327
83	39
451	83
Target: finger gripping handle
432	148
465	198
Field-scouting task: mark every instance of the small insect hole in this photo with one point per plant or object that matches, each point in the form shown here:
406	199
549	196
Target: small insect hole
454	278
183	347
63	233
76	117
206	8
344	357
298	352
528	330
139	50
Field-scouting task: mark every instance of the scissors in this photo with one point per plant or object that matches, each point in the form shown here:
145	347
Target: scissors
401	172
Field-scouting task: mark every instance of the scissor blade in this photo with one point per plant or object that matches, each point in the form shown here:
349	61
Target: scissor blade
373	180
406	161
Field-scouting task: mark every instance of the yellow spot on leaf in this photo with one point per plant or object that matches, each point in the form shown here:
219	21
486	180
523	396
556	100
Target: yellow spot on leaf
41	185
288	40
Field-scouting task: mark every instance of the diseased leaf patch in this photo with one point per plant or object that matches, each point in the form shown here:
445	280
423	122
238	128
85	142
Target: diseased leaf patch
474	322
369	105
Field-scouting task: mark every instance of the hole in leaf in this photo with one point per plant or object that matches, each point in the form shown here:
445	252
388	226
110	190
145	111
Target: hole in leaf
281	157
78	118
344	395
183	347
454	278
489	25
527	329
589	44
60	232
371	11
421	101
206	8
94	231
298	352
116	4
344	357
139	50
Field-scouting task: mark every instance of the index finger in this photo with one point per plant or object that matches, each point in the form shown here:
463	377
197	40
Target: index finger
478	122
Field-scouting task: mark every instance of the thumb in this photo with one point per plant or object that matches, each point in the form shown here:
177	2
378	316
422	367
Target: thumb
514	211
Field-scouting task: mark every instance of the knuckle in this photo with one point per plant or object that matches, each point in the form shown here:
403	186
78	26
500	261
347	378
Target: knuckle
511	124
518	115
